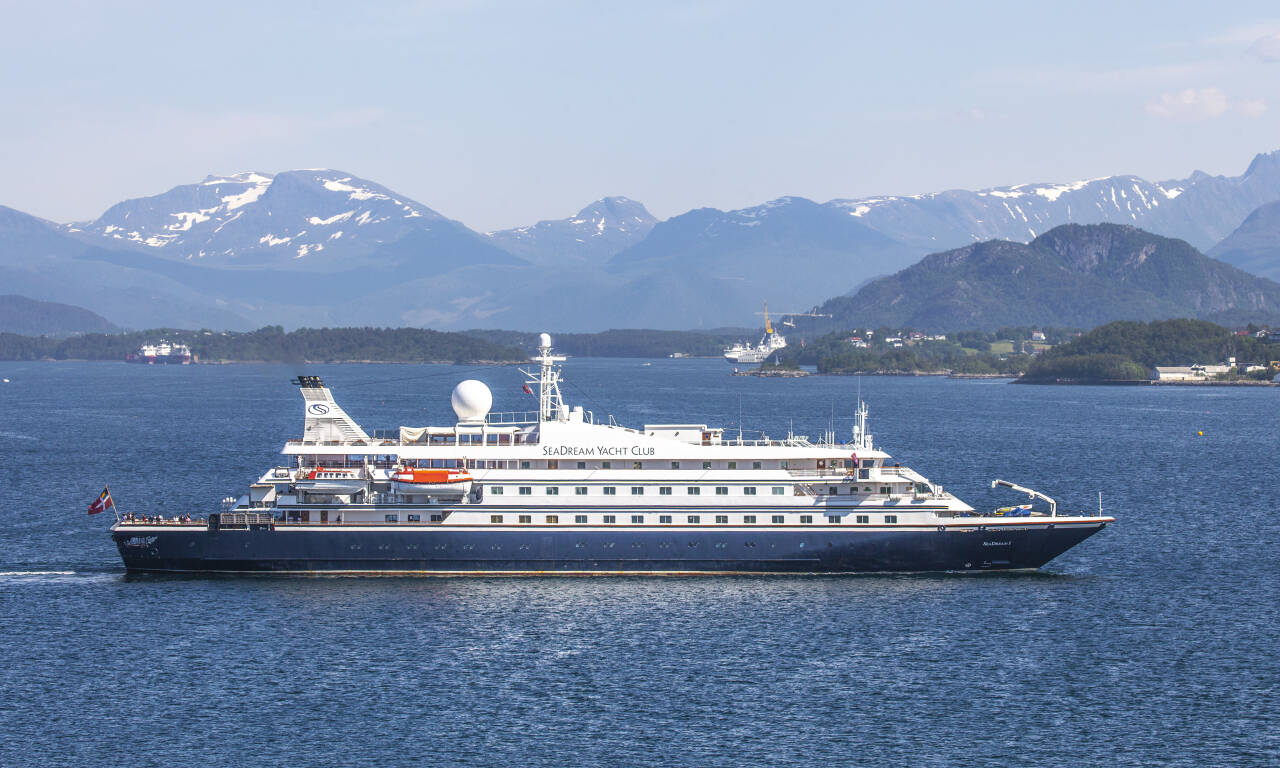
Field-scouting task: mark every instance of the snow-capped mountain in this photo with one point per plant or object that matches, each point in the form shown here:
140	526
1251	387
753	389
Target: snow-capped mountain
324	247
312	219
1200	209
597	232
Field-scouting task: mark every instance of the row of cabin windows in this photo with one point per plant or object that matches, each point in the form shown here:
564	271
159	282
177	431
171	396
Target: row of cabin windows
555	464
691	519
639	519
636	490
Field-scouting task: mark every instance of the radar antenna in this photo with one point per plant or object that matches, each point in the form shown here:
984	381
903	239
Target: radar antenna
550	404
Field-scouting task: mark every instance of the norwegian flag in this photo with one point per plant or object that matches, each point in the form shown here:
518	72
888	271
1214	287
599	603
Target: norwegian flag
101	503
526	389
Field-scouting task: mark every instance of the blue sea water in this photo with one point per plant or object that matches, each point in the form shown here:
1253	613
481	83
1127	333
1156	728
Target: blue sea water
1153	643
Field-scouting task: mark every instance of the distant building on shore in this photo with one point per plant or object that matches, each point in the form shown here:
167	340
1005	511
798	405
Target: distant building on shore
1190	372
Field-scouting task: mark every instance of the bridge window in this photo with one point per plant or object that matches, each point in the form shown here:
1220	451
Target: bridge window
694	490
580	519
722	519
610	518
495	518
437	518
806	518
553	519
722	490
833	519
778	490
664	518
553	490
750	490
779	519
863	519
526	490
891	518
580	490
637	519
694	518
526	519
637	490
609	490
749	519
664	490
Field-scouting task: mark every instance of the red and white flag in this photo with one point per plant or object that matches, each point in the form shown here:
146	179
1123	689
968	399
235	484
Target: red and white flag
526	389
101	503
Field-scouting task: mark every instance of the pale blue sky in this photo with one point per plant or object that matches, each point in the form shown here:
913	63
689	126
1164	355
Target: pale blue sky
501	114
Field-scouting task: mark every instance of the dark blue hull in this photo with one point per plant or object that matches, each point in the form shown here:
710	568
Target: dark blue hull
445	550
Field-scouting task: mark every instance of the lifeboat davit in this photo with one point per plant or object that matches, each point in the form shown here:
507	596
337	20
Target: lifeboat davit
433	482
333	480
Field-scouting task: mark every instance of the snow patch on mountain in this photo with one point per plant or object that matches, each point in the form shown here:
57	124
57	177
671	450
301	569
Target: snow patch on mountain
319	222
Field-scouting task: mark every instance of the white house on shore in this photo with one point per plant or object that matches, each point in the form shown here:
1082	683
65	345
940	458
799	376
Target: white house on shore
1189	372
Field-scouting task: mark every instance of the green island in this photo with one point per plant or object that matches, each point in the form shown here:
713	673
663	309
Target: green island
1164	351
1181	351
1005	352
273	344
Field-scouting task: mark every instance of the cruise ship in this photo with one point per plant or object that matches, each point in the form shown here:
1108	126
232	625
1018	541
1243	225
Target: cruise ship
163	352
563	491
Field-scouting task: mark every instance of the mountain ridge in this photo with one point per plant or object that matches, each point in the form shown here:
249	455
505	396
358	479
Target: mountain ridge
1075	275
325	247
1254	246
30	317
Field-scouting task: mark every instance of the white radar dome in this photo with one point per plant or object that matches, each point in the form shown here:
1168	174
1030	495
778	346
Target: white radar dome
544	340
471	400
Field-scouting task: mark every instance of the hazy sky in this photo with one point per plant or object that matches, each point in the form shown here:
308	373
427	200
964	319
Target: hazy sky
501	114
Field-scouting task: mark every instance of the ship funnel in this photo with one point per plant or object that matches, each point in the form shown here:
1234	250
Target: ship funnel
325	421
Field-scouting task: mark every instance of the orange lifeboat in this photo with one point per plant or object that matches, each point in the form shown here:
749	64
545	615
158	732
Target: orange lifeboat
438	482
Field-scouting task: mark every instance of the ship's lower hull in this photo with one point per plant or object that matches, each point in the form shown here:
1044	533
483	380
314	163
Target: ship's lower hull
158	359
441	550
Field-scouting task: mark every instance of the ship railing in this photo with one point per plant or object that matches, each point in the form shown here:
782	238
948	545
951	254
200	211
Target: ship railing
513	417
903	472
833	472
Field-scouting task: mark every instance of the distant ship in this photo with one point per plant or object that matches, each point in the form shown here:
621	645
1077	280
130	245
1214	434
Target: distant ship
560	490
163	353
772	341
745	353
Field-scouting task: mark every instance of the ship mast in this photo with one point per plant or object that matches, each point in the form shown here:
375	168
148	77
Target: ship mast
550	405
